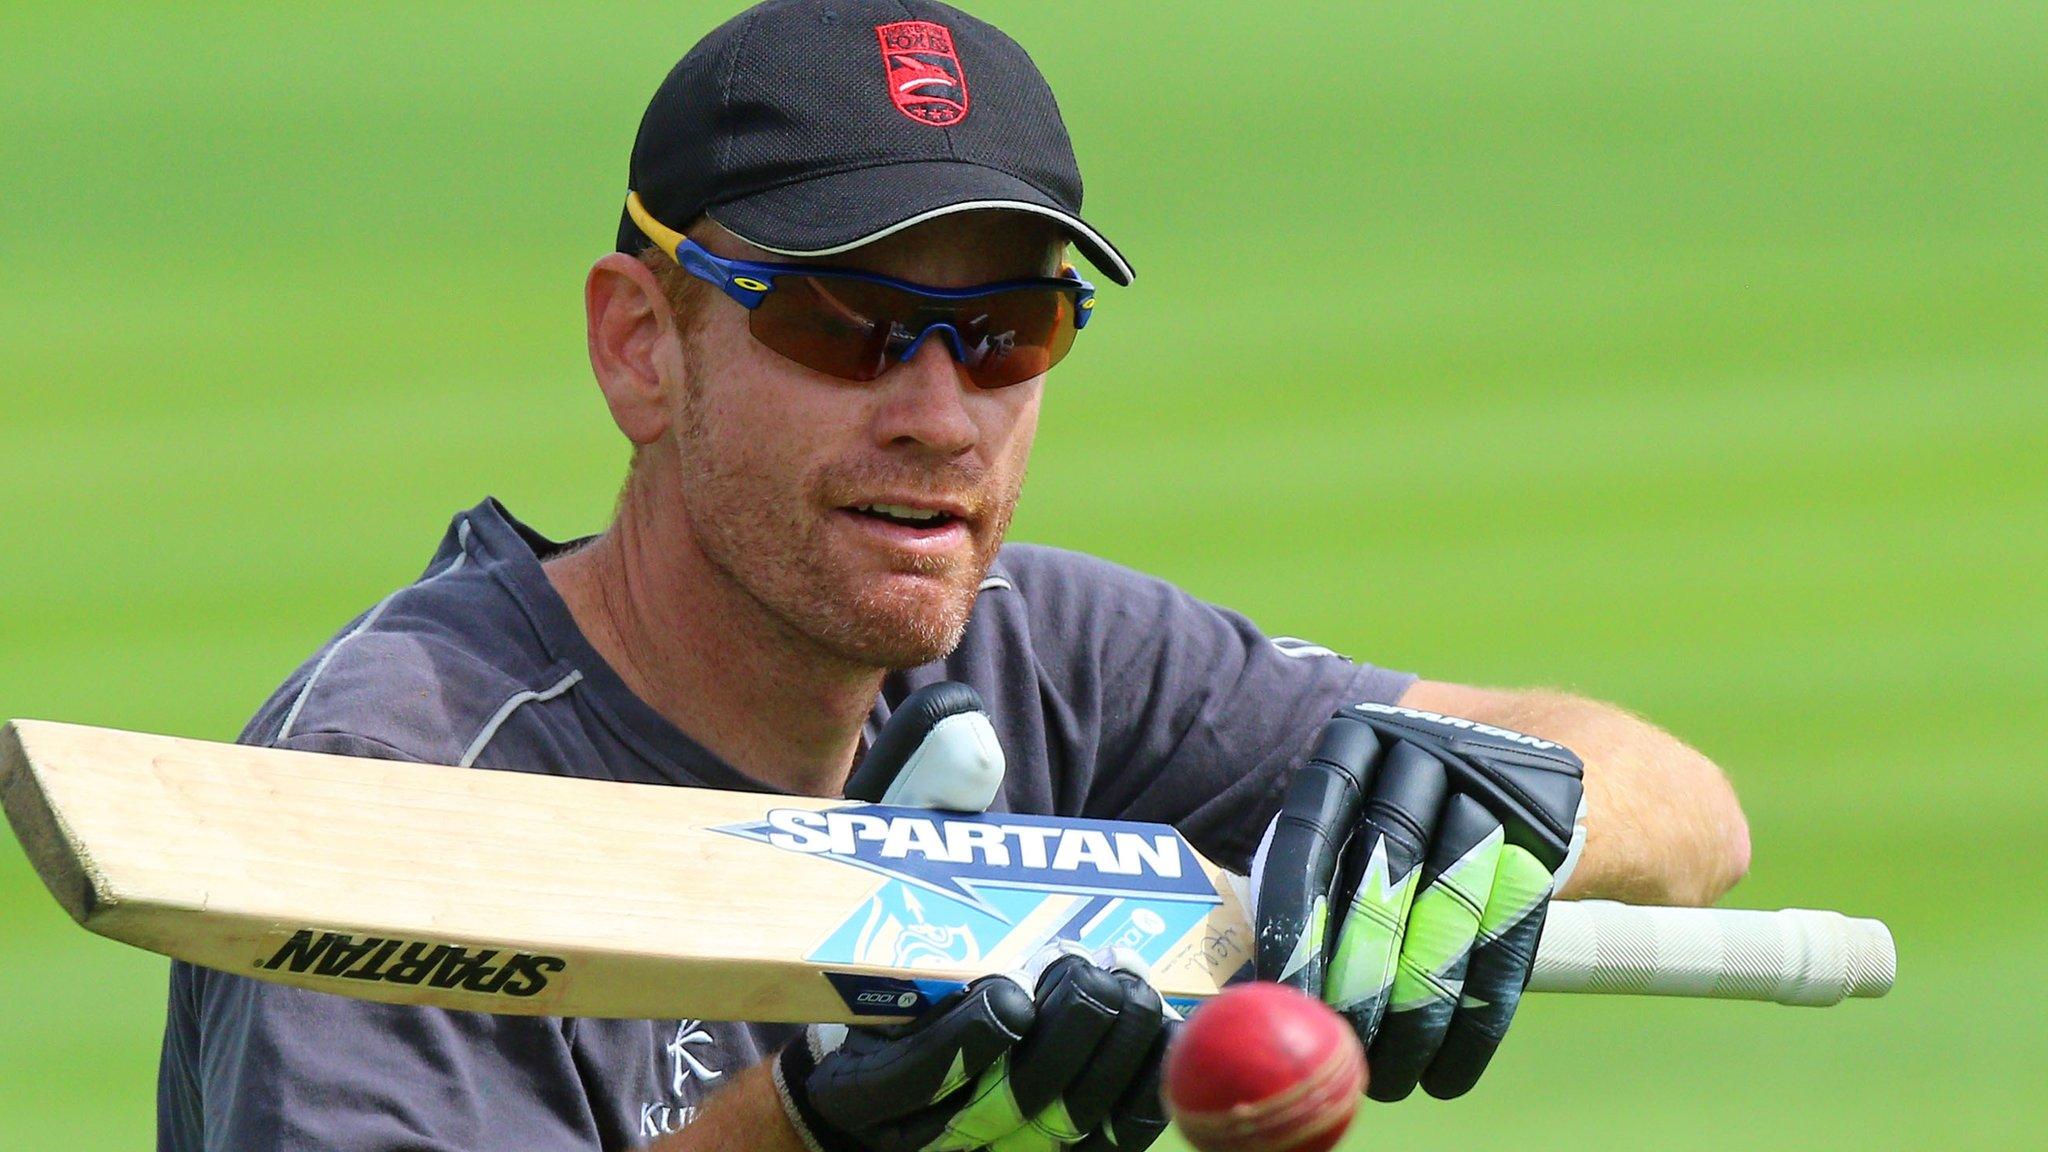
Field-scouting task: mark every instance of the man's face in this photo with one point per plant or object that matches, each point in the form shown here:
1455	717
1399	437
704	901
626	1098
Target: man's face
782	466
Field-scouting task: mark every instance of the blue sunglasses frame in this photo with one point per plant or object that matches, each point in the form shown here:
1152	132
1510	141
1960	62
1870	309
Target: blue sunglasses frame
749	282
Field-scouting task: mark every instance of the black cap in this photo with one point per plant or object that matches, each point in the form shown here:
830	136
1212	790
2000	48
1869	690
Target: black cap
809	127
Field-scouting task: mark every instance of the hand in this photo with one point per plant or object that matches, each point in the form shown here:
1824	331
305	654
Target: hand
1072	1063
937	750
1064	1054
1405	880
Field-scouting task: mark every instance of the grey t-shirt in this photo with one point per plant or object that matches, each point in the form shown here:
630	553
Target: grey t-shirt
1115	695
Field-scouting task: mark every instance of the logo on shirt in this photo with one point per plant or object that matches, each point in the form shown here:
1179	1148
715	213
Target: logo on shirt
382	959
661	1118
925	79
684	1064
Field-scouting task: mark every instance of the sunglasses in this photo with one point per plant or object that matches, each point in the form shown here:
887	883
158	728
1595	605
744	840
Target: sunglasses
857	325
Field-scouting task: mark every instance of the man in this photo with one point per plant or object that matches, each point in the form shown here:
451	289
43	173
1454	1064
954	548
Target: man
840	280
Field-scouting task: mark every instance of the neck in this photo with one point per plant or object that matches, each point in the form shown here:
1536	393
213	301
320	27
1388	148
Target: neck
707	656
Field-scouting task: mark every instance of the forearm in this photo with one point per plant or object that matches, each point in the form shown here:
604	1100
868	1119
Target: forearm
745	1116
1663	825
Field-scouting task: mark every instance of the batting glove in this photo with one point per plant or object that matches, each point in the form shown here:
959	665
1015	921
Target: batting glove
1072	1064
1065	1054
1405	881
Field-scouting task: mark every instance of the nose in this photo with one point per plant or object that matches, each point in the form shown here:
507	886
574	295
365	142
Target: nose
923	401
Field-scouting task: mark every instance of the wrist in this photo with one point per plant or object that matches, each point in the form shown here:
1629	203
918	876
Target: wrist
746	1116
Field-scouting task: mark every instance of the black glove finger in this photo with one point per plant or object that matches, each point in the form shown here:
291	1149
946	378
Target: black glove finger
1018	1097
1078	1006
1457	881
1502	959
1120	1060
1299	861
874	1078
1533	785
1139	1116
1383	866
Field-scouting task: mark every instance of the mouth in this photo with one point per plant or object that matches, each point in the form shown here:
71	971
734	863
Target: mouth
907	515
915	525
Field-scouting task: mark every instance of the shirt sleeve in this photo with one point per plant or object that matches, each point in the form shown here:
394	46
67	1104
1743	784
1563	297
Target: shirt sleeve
1200	715
249	1064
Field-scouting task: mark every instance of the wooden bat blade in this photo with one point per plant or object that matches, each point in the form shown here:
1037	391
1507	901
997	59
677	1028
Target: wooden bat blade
508	892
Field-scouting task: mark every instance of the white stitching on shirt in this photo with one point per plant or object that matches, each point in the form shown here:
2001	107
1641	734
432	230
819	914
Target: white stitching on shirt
292	717
505	710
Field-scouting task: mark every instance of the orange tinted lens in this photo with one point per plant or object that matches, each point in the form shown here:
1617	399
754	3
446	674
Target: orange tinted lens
857	330
1009	337
828	325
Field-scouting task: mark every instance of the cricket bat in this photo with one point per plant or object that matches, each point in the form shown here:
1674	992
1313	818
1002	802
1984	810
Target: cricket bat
511	892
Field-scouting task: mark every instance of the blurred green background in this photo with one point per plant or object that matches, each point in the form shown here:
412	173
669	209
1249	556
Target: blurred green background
1690	355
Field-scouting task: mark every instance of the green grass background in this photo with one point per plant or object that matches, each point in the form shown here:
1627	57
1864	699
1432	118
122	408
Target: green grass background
1690	355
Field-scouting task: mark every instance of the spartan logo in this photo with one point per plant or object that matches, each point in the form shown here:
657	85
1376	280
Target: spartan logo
925	80
379	959
956	855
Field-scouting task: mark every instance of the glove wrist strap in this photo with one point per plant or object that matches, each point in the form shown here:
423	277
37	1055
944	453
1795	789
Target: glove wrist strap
792	1067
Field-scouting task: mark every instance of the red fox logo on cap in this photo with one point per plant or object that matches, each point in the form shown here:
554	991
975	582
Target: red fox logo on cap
925	80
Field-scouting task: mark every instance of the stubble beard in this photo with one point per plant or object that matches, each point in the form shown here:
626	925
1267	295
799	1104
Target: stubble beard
777	557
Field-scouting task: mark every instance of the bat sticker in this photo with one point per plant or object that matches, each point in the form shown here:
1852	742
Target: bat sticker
969	858
380	959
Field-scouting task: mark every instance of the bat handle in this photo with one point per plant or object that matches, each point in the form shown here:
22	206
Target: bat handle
1795	956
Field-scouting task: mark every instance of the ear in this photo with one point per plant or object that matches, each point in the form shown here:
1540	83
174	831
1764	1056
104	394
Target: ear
635	351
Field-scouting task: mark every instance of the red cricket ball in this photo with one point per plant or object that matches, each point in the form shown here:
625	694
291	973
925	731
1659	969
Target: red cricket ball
1264	1068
